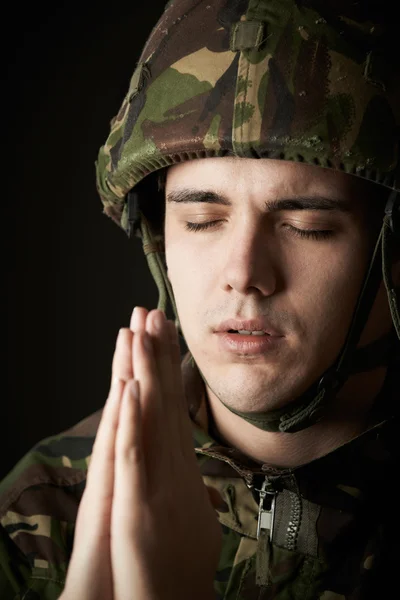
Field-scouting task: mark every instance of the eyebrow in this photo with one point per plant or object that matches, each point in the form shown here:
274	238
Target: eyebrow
187	196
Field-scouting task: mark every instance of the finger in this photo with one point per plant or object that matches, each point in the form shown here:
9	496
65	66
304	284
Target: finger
176	372
137	324
103	447
122	367
168	368
174	419
89	573
138	319
157	327
130	472
146	371
128	519
97	498
150	398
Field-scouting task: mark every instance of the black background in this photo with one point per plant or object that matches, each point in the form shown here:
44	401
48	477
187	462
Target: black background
73	277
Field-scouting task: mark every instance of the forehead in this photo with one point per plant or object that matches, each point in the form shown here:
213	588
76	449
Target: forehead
265	177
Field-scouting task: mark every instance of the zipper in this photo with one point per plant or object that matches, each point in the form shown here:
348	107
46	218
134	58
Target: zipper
265	528
292	530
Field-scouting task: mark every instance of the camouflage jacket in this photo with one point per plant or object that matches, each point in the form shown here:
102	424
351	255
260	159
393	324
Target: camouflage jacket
332	520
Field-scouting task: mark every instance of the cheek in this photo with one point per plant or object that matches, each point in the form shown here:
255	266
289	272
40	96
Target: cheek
322	288
189	284
189	273
186	257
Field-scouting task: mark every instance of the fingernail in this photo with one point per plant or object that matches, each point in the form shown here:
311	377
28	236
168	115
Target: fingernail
159	320
134	319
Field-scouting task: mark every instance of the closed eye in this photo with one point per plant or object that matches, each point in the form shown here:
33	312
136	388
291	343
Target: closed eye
316	234
201	226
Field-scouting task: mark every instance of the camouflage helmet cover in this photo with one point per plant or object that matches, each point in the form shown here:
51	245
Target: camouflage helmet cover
314	81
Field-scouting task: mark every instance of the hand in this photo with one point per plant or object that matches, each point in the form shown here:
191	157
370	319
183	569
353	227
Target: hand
144	488
165	540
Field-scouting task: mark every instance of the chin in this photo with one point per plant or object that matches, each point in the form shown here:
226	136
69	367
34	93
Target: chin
268	393
257	387
241	398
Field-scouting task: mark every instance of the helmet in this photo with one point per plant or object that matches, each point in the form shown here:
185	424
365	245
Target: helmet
311	81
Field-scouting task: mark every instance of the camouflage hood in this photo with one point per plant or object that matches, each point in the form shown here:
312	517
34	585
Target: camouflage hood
287	79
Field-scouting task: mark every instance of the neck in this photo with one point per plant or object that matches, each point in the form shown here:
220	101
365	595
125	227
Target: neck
345	419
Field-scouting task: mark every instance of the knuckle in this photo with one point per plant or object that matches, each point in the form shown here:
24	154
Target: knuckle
130	454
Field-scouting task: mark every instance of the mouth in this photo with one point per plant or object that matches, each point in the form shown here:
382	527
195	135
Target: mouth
246	343
244	332
245	337
258	327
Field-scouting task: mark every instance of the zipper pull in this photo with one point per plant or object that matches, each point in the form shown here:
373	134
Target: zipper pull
265	527
266	516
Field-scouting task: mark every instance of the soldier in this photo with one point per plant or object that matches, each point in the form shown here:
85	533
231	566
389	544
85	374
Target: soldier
256	154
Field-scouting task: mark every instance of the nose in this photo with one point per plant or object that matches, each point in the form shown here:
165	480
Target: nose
250	263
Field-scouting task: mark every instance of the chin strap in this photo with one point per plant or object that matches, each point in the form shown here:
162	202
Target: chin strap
309	408
153	247
391	236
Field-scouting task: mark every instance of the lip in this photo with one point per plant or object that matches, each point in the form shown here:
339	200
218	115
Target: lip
237	324
247	344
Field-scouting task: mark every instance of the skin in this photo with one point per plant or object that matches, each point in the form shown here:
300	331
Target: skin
136	478
264	266
260	266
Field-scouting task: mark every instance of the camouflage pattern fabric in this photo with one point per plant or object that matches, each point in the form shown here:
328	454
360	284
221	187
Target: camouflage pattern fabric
333	526
313	81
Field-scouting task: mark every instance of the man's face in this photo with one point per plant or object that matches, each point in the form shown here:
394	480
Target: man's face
269	245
